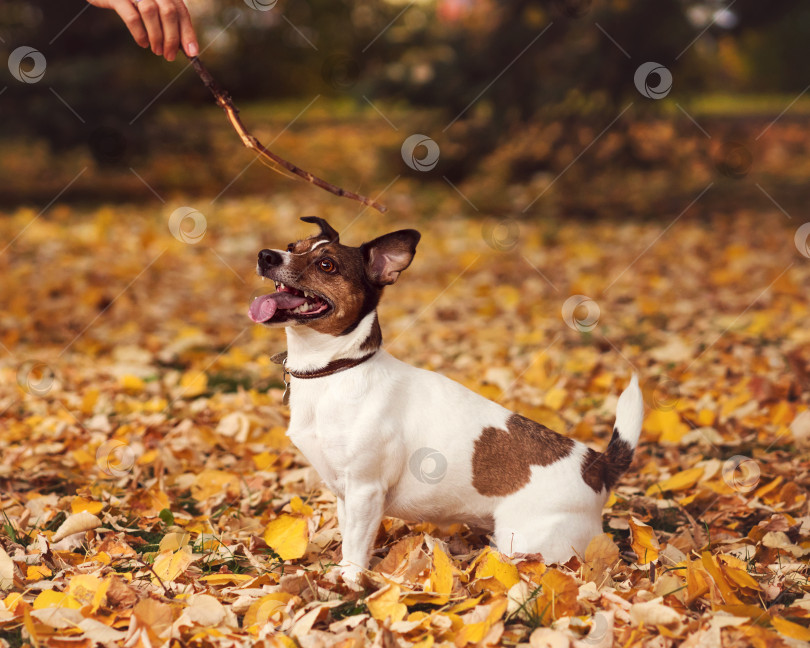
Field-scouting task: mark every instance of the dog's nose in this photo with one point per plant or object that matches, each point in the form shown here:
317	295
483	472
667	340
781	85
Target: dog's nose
269	258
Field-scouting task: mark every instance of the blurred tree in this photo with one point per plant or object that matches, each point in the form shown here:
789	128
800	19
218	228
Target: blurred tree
489	66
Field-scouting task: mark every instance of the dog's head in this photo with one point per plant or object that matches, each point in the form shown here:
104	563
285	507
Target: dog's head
326	285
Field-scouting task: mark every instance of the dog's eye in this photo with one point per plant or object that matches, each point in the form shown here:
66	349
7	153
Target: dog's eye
290	247
327	265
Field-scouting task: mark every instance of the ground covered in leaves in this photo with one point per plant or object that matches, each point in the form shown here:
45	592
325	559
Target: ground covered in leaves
149	493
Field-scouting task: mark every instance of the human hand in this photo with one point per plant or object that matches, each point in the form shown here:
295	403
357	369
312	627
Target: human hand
162	25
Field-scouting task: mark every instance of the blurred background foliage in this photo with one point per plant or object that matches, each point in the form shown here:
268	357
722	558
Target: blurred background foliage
496	83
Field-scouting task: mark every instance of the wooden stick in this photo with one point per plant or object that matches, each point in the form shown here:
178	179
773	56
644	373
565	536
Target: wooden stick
225	102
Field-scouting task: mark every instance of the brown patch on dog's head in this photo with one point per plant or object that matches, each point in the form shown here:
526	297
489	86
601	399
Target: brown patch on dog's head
602	469
502	459
341	283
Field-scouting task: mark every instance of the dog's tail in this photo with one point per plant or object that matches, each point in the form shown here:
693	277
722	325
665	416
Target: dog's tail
629	415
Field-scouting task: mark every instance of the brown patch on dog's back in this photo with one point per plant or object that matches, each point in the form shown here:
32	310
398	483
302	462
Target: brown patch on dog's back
502	459
602	470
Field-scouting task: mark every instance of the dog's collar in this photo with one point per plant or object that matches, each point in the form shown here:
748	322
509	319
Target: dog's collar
333	367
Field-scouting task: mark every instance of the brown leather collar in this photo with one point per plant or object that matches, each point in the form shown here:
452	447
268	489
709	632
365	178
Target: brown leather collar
335	366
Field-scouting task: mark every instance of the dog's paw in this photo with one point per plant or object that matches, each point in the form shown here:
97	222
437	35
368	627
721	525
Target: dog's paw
351	575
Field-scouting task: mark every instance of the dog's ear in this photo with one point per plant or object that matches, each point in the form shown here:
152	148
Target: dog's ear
390	254
327	231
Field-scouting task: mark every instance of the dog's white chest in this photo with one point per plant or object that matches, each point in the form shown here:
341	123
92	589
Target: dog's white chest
321	428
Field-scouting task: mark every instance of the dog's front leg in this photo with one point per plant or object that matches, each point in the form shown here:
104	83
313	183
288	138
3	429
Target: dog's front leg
359	515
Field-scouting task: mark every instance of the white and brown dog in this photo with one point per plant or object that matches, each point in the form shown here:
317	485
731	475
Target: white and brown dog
391	439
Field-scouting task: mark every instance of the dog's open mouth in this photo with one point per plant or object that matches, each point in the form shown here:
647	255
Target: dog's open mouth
287	303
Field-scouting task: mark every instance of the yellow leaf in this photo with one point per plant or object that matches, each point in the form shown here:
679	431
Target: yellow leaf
441	577
555	398
193	384
790	629
705	418
288	537
13	600
50	598
713	568
173	541
474	632
212	482
558	596
103	557
384	604
735	570
80	504
782	413
666	425
503	573
90	590
545	416
37	572
150	502
89	400
226	579
30	628
678	482
131	383
147	457
170	564
264	460
269	608
643	541
465	605
82	587
276	437
297	506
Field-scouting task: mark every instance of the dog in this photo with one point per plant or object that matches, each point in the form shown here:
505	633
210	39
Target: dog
391	439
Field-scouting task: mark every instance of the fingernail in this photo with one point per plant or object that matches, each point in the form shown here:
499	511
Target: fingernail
192	50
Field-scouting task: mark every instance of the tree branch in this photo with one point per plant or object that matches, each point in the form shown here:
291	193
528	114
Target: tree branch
225	102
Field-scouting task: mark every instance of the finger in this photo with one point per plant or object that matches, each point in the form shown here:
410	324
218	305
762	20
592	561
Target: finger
187	35
171	32
150	14
132	19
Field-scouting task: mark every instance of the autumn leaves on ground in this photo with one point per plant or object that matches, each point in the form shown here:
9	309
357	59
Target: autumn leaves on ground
149	493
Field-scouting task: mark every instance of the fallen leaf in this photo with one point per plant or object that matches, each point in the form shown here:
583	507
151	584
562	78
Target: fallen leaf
288	536
678	482
557	597
270	608
600	555
790	629
6	571
441	576
495	574
169	565
643	541
656	613
384	604
76	523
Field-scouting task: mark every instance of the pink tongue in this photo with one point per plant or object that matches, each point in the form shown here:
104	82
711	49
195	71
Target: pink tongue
263	308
